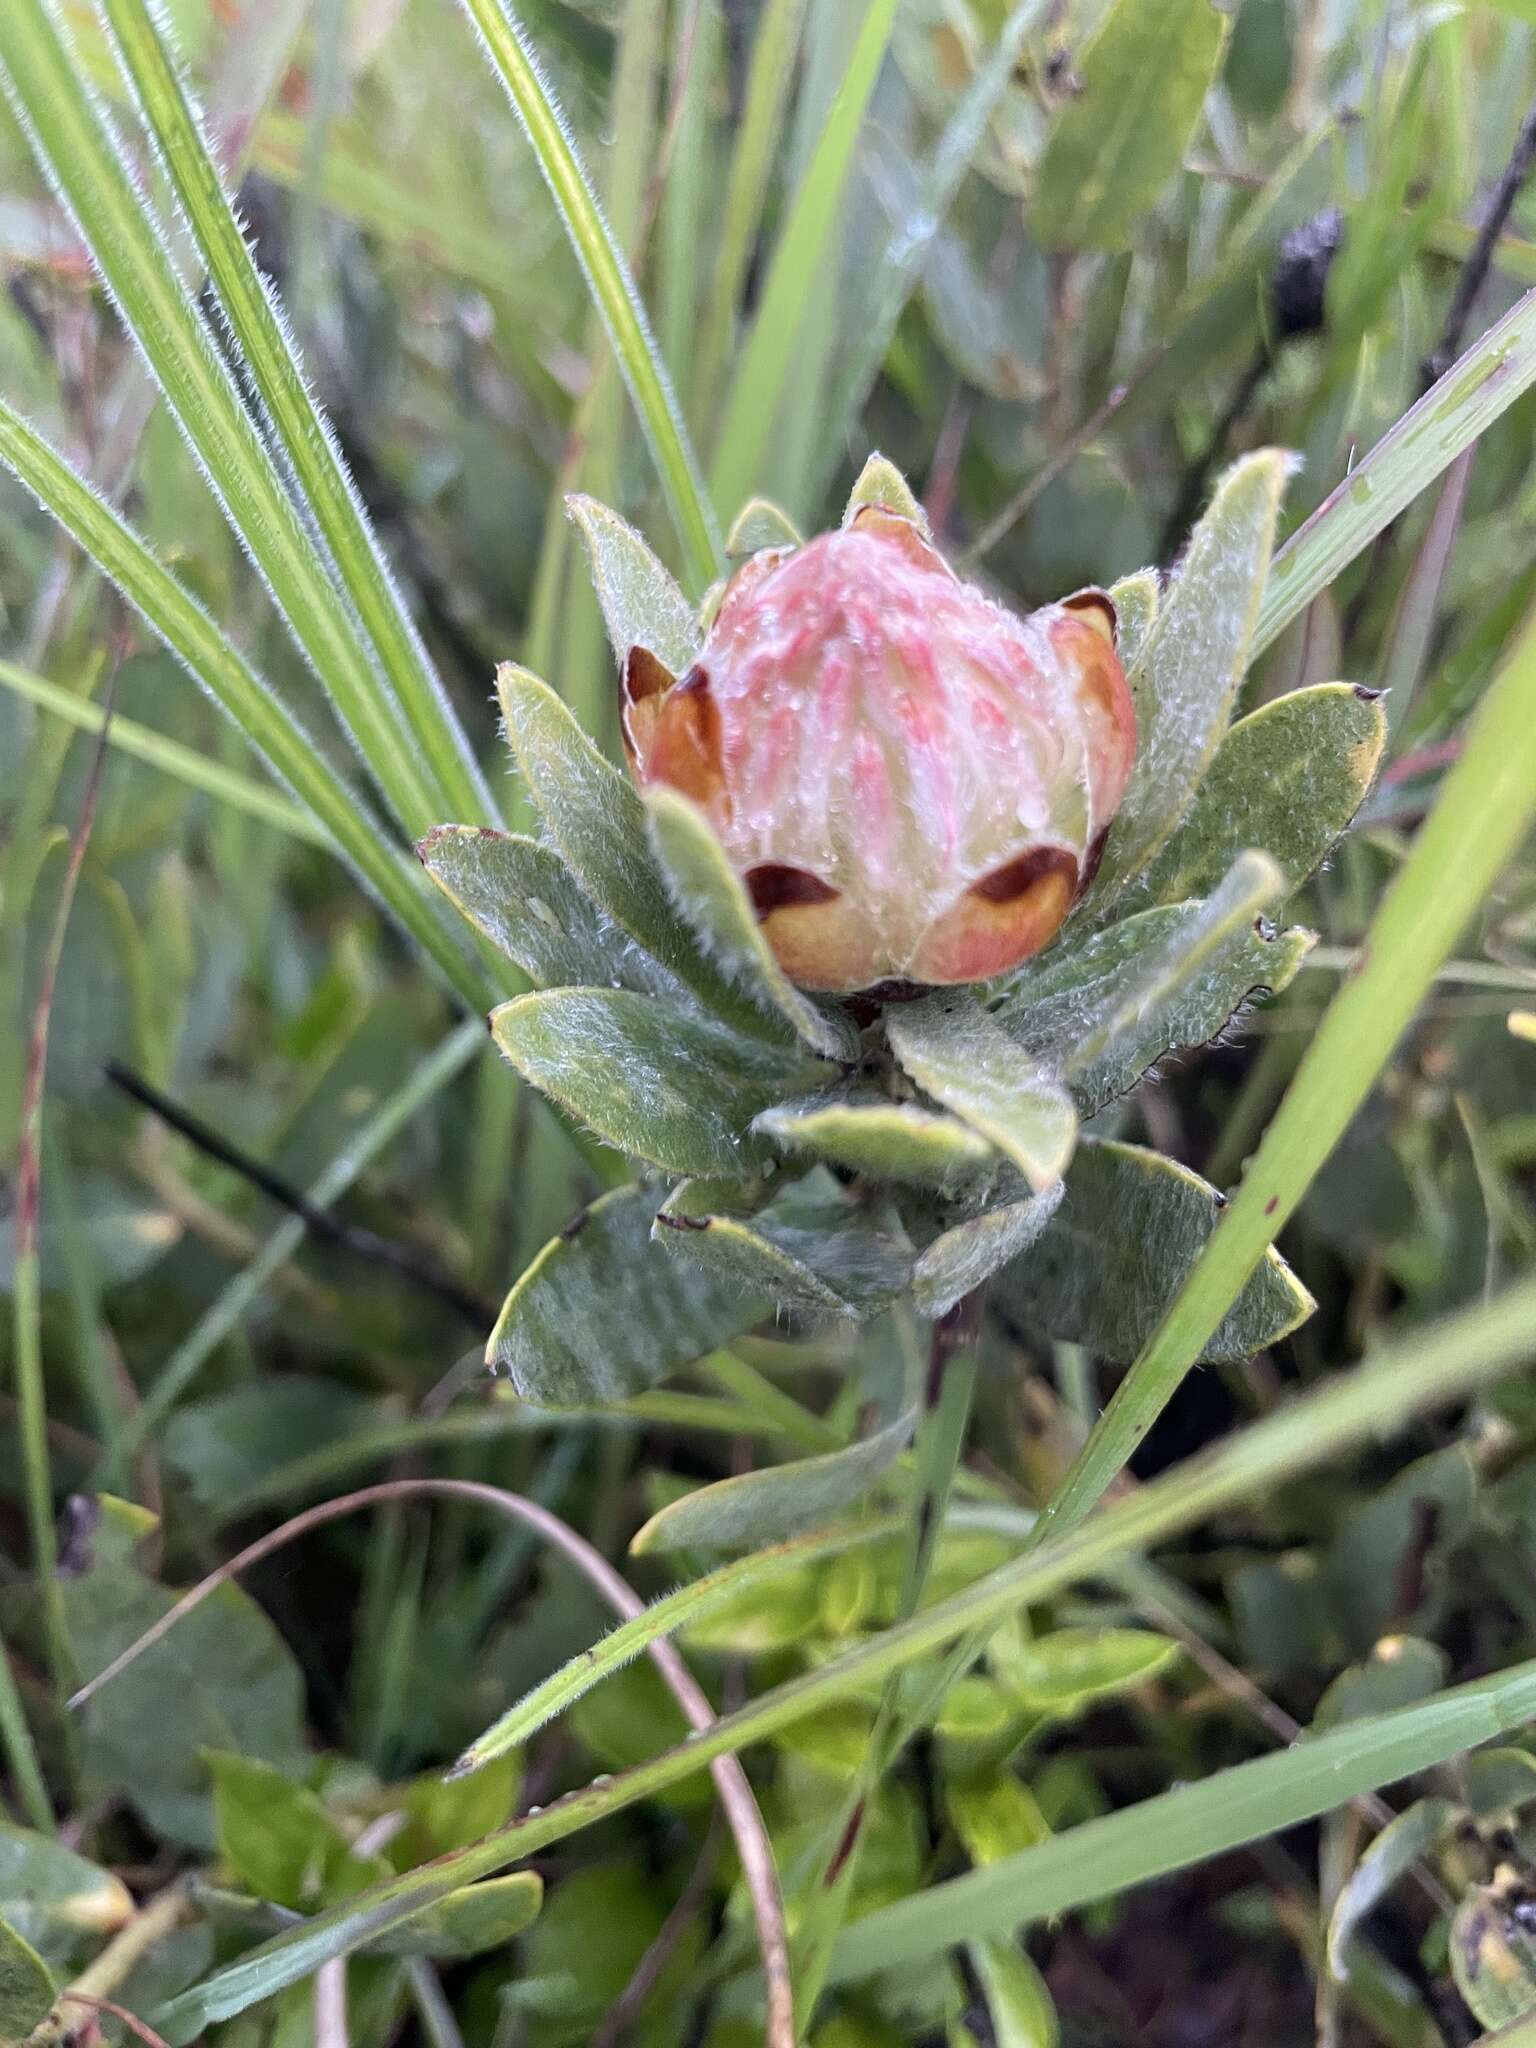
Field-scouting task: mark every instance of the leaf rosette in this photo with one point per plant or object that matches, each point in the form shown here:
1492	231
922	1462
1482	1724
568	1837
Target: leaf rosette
900	890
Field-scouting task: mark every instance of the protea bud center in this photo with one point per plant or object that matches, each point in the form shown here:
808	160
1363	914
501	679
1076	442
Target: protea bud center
913	782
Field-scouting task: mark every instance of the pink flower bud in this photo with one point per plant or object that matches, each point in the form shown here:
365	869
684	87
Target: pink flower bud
913	782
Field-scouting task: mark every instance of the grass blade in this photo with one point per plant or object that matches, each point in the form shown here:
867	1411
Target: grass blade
77	147
188	765
1442	1365
186	629
1485	808
608	277
762	373
1104	1857
1426	440
575	1679
176	127
762	120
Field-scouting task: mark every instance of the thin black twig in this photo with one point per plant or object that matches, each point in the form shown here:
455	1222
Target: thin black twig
1475	270
411	1265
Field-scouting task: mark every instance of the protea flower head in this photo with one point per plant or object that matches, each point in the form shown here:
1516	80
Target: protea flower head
913	782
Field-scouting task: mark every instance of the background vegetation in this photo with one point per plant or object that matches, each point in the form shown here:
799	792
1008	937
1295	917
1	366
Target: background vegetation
1061	264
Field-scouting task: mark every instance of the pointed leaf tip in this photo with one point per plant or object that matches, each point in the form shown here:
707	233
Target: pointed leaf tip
882	484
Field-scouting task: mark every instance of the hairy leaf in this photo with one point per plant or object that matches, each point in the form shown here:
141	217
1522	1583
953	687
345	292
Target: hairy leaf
868	1133
778	1502
1135	599
968	1252
710	895
1192	662
1115	1254
1140	83
881	483
597	821
812	1248
953	1049
1053	1010
656	1080
1288	777
602	1312
761	524
642	605
525	900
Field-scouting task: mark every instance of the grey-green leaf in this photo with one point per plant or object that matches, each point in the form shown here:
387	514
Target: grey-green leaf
1121	135
597	822
526	901
642	605
54	1898
709	893
882	484
813	1248
1192	662
1105	1268
1288	777
866	1132
659	1082
602	1313
761	524
1135	599
1392	1855
778	1502
972	1250
27	1987
954	1050
1142	1007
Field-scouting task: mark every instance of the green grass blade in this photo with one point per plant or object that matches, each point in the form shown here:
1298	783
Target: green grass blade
664	1617
1485	807
74	142
188	765
799	260
764	104
1426	440
902	260
1104	1857
186	629
610	282
176	127
1440	1365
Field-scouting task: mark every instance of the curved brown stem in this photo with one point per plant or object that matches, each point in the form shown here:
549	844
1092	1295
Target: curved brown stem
731	1783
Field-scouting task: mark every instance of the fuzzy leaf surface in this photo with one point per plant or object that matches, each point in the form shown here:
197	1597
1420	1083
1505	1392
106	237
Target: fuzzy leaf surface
761	524
779	1502
709	893
602	1313
865	1132
964	1059
812	1248
642	605
971	1251
1288	777
1130	1225
1115	143
597	822
659	1082
27	1987
1192	661
880	483
525	900
1135	599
